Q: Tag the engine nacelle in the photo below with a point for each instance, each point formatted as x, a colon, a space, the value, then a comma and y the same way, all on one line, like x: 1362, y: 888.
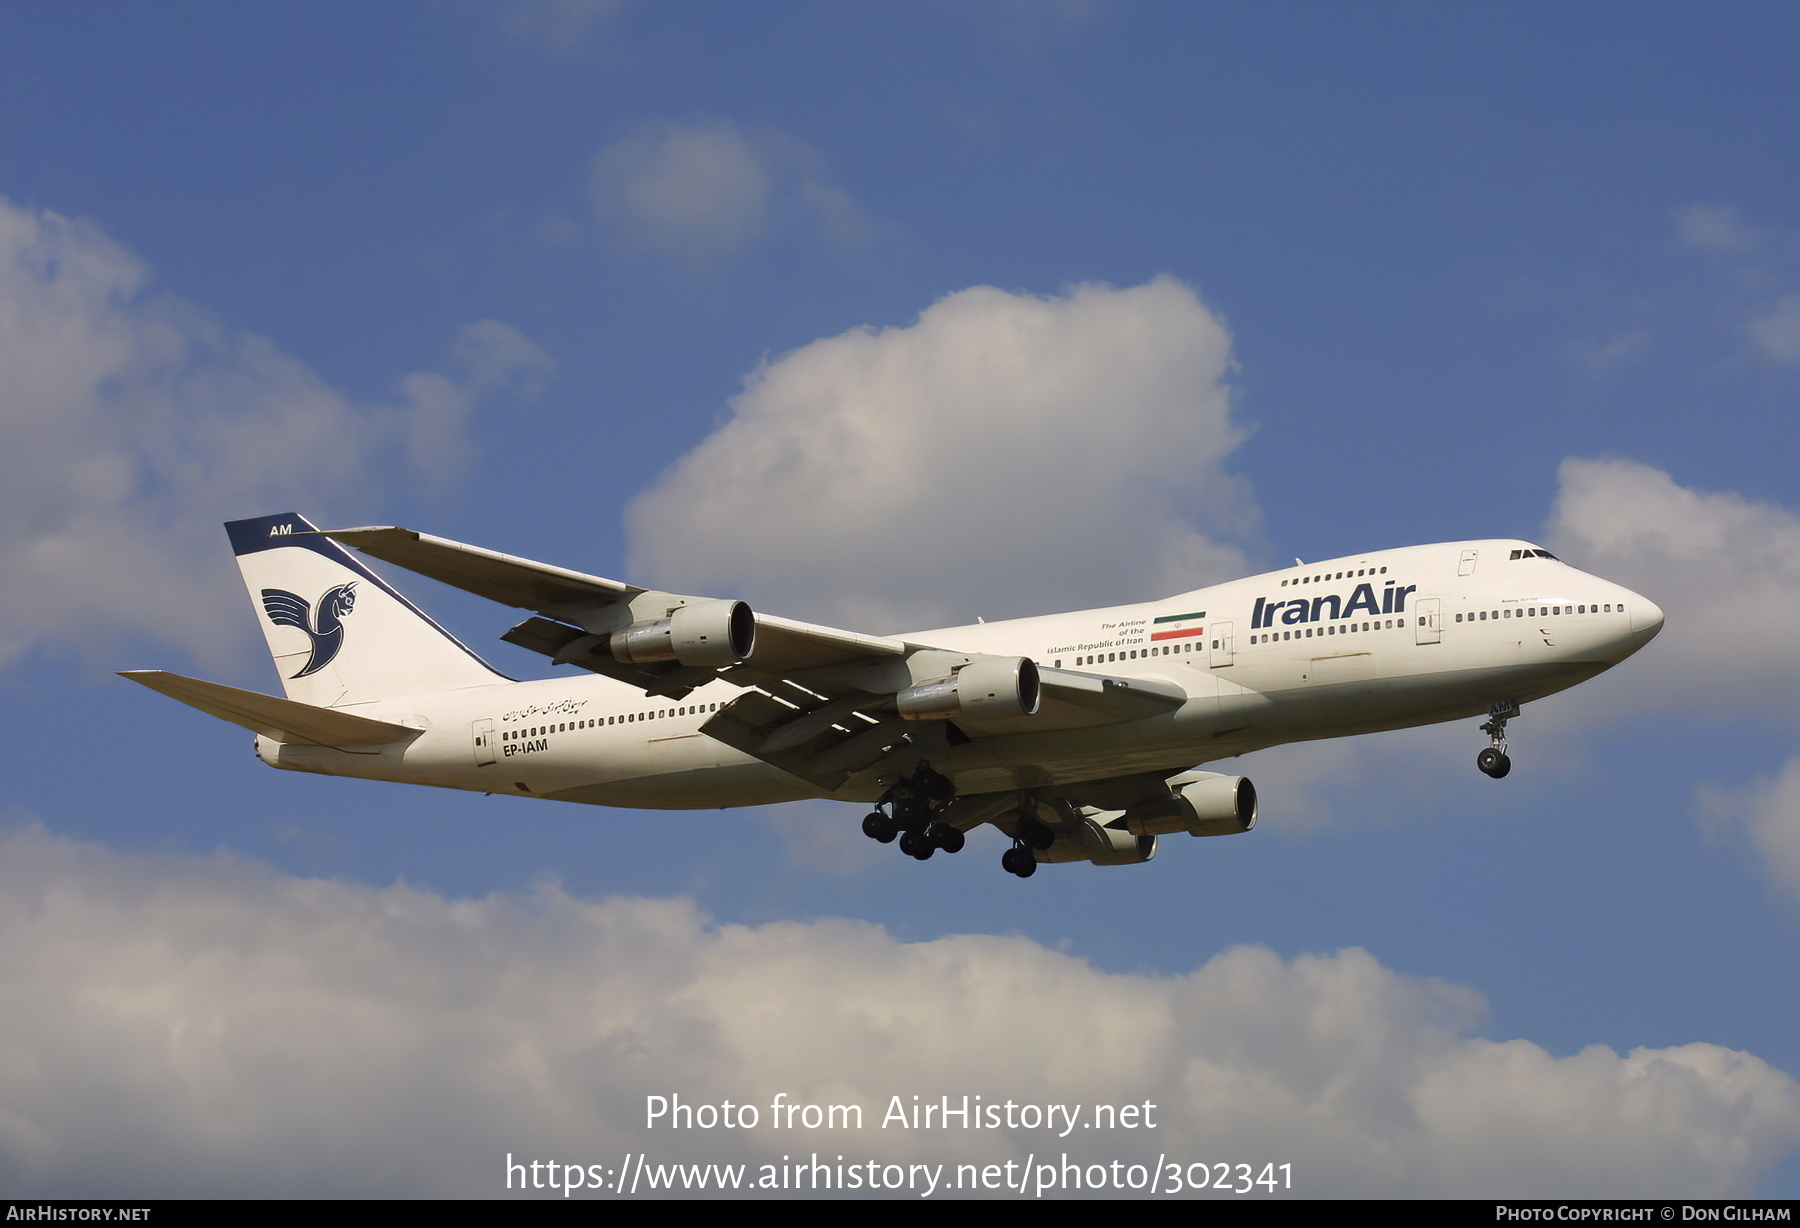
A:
x: 1104, y: 846
x: 1212, y: 805
x: 991, y: 688
x: 711, y: 634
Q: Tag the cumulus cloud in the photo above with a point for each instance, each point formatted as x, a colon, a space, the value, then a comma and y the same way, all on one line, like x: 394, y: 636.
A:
x: 132, y: 423
x: 1008, y: 454
x: 205, y: 1026
x: 1697, y: 553
x: 1767, y: 814
x: 705, y: 188
x: 1694, y: 553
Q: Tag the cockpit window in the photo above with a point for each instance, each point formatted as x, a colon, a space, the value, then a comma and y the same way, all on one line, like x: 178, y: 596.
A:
x: 1533, y: 554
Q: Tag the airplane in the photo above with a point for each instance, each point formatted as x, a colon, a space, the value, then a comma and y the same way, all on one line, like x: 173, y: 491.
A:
x: 1079, y: 736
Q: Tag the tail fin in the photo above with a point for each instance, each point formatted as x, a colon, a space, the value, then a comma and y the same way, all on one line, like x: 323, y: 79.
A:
x: 339, y: 634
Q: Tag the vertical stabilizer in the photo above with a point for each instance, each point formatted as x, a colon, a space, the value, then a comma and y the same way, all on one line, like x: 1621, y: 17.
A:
x: 339, y: 634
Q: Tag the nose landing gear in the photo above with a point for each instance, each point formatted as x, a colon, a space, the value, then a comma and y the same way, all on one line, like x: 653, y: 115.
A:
x: 1494, y: 760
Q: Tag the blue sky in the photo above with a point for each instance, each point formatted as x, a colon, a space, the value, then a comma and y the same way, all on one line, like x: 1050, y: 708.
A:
x: 543, y: 276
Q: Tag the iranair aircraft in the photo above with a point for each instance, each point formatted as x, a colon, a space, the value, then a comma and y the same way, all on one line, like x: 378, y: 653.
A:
x: 1078, y: 736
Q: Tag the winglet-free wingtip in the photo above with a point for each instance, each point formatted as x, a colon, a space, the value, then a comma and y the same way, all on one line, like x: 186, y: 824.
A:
x: 348, y: 535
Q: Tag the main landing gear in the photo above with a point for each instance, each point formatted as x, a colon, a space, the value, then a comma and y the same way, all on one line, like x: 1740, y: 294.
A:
x: 1494, y: 761
x: 1030, y: 834
x: 923, y: 813
x: 912, y: 806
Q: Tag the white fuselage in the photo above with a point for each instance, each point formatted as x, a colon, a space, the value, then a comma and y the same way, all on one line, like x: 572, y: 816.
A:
x: 1387, y: 640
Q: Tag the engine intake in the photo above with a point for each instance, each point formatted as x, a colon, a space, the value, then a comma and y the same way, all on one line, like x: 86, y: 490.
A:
x: 711, y: 634
x: 990, y: 688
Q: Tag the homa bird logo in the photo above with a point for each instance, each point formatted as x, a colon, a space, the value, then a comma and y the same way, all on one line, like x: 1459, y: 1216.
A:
x: 287, y: 609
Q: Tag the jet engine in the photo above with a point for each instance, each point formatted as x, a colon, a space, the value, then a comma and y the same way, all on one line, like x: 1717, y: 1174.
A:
x: 988, y: 688
x: 1208, y: 805
x: 710, y: 634
x: 1090, y: 840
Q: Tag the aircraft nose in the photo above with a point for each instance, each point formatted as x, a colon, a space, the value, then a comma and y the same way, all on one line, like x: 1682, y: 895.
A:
x: 1646, y: 618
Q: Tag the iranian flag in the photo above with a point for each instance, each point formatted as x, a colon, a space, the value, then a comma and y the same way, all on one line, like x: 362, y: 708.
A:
x: 1178, y: 626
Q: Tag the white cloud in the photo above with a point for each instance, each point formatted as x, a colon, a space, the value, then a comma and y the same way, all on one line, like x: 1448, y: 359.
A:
x: 1715, y: 228
x: 209, y: 1027
x: 702, y: 189
x: 1776, y: 331
x: 1698, y: 555
x: 132, y: 423
x: 1767, y: 813
x: 1763, y: 261
x: 1726, y: 572
x: 558, y: 25
x: 1008, y: 454
x: 1597, y: 358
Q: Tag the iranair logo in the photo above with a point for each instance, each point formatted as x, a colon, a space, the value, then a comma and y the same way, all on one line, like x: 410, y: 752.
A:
x: 325, y: 628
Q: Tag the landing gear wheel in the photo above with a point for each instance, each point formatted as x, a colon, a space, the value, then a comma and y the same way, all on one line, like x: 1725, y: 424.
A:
x: 908, y: 811
x: 1018, y: 860
x: 1034, y: 834
x: 917, y: 844
x: 1493, y: 762
x: 877, y: 826
x: 946, y: 837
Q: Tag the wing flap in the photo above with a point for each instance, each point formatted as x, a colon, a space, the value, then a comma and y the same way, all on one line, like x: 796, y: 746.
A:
x: 284, y: 720
x: 748, y: 722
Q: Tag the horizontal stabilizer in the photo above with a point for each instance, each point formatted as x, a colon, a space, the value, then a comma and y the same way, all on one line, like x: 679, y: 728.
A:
x: 284, y: 720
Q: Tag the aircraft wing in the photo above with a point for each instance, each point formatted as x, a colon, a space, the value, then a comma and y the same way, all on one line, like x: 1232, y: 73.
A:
x: 823, y: 738
x: 820, y: 702
x: 580, y: 610
x: 486, y: 573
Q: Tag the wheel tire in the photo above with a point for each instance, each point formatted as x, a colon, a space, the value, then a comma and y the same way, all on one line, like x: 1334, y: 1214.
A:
x: 915, y: 844
x: 1035, y: 835
x: 908, y: 811
x: 950, y: 839
x: 1493, y: 762
x: 1019, y: 861
x: 877, y: 826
